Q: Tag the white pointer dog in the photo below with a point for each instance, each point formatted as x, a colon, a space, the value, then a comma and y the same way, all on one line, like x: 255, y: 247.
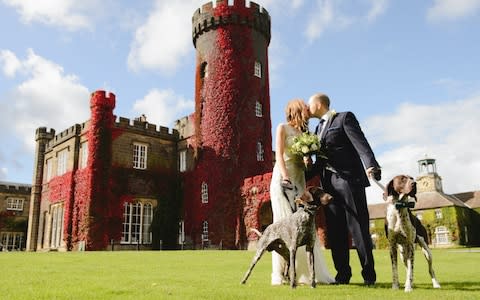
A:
x: 403, y: 229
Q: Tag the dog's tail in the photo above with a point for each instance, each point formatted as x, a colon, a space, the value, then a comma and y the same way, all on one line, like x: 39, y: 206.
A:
x: 256, y: 231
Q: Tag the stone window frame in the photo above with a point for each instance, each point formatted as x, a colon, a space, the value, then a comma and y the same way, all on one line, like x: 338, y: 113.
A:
x: 62, y: 161
x: 56, y: 225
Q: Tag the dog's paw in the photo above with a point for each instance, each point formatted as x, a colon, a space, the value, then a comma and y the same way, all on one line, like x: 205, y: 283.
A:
x: 436, y: 285
x: 408, y: 289
x: 395, y: 286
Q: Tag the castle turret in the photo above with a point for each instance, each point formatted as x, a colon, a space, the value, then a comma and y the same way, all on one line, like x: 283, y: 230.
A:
x: 93, y: 219
x: 232, y: 116
x: 42, y: 136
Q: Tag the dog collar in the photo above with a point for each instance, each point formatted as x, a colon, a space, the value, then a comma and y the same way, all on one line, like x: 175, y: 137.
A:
x: 399, y: 205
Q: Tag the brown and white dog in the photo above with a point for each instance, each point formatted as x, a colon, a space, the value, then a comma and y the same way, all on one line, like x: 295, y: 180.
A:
x: 291, y: 232
x: 403, y: 229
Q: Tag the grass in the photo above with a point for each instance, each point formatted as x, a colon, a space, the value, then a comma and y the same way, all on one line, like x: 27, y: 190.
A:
x: 215, y: 275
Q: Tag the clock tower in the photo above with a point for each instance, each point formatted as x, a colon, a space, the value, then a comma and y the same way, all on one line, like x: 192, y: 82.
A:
x: 428, y: 180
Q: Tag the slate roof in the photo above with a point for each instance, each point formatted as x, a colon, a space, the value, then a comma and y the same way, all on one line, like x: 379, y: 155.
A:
x: 472, y: 199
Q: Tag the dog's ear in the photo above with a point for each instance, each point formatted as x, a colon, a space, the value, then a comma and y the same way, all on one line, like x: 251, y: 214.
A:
x: 390, y: 189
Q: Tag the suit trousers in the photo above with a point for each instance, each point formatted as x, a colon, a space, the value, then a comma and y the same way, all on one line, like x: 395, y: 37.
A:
x: 348, y: 213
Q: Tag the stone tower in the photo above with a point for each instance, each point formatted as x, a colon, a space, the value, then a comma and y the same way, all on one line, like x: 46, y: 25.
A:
x: 232, y: 137
x: 428, y: 180
x: 42, y: 136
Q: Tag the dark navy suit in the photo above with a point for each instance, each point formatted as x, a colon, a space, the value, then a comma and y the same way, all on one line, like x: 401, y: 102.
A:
x: 343, y: 176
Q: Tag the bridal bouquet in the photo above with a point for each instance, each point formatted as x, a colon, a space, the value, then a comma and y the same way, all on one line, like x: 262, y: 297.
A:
x: 306, y: 144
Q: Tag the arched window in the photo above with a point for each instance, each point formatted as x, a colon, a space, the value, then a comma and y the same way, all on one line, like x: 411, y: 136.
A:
x: 204, y: 192
x: 260, y: 152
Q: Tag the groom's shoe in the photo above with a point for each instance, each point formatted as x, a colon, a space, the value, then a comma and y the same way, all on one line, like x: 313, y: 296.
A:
x: 369, y: 282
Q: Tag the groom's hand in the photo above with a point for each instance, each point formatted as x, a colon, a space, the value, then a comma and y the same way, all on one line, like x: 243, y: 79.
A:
x: 307, y: 160
x: 375, y: 173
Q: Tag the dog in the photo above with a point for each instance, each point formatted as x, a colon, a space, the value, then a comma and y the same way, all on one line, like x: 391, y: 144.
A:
x: 296, y: 230
x: 403, y: 229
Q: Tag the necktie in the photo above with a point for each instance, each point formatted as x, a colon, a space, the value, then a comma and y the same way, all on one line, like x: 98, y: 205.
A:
x: 320, y: 127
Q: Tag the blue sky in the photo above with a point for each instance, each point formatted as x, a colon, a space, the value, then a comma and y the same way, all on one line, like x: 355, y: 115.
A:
x: 409, y: 70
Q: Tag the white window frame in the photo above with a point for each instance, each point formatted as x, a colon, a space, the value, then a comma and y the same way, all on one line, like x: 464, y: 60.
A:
x: 181, y: 232
x: 12, y: 241
x: 137, y: 222
x: 49, y: 170
x: 83, y: 155
x: 257, y: 69
x: 56, y: 229
x: 62, y: 160
x: 442, y: 236
x: 438, y: 214
x: 140, y: 154
x: 260, y: 152
x: 204, y: 192
x: 15, y: 203
x: 205, y: 231
x: 182, y: 160
x: 258, y: 109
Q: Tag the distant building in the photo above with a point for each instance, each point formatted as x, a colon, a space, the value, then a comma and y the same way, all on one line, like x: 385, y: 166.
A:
x: 14, y: 205
x: 450, y: 220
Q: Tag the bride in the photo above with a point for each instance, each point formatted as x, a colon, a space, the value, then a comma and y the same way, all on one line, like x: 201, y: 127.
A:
x: 290, y: 167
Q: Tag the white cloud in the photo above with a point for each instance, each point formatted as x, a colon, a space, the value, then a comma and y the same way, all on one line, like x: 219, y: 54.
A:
x: 377, y: 9
x: 68, y: 14
x: 46, y: 97
x: 3, y: 173
x: 165, y: 39
x: 163, y: 107
x: 10, y: 63
x: 336, y: 15
x: 451, y: 10
x: 445, y: 132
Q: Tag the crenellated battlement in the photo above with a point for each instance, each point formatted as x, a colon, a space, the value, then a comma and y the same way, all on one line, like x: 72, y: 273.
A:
x: 102, y: 98
x: 43, y: 134
x: 209, y: 17
x: 15, y: 188
x: 146, y: 128
x: 65, y: 135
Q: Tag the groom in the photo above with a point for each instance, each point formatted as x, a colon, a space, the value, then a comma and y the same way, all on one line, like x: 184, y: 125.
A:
x: 344, y: 177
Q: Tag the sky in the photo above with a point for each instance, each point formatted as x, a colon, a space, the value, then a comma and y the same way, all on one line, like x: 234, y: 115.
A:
x: 409, y: 70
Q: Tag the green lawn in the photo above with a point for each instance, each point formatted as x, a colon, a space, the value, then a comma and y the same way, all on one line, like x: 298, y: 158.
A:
x: 214, y: 275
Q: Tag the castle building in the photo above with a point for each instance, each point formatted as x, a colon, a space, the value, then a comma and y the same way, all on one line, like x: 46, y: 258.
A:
x: 113, y: 183
x: 450, y: 220
x: 14, y: 204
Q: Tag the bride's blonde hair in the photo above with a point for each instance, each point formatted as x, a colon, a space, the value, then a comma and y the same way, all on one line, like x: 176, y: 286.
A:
x: 295, y: 114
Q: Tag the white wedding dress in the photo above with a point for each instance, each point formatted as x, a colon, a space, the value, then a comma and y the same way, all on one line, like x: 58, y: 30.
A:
x: 282, y: 208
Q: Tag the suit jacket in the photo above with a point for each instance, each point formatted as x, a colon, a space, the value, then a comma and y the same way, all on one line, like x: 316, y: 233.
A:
x: 347, y: 149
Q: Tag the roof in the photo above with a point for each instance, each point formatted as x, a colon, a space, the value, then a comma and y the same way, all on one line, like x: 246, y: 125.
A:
x: 428, y: 200
x: 472, y: 199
